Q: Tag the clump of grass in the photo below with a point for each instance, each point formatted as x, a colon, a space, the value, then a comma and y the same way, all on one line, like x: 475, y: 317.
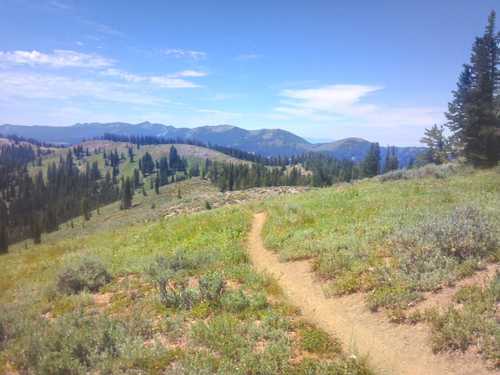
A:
x: 235, y: 301
x: 82, y: 274
x: 473, y: 323
x: 316, y: 341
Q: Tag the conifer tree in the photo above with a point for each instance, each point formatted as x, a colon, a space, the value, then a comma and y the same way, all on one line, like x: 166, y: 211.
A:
x: 473, y: 115
x: 4, y: 222
x: 85, y: 209
x: 371, y: 163
x: 437, y: 145
x: 127, y: 194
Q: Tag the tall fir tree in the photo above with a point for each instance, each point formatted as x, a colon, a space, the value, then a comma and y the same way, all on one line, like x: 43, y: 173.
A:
x: 371, y: 163
x: 473, y: 115
x: 127, y: 194
x: 4, y: 223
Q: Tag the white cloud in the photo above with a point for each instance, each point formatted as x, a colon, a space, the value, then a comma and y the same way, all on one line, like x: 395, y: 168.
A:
x: 172, y: 81
x: 347, y: 104
x: 191, y: 73
x: 35, y: 86
x: 185, y: 54
x: 56, y: 59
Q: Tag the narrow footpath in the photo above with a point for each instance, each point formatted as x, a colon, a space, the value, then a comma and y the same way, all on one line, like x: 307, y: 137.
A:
x: 391, y: 348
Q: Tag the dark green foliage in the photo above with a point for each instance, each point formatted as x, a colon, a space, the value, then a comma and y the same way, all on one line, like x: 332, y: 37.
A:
x: 147, y: 164
x: 127, y: 194
x: 36, y: 230
x: 4, y: 222
x: 212, y: 286
x: 371, y: 164
x: 85, y: 209
x: 391, y: 162
x: 437, y: 144
x: 473, y: 115
x: 87, y: 273
x: 157, y: 185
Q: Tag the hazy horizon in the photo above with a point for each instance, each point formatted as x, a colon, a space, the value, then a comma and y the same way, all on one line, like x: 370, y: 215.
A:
x: 321, y: 71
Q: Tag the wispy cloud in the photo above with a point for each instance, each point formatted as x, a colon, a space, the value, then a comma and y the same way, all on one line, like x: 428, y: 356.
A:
x: 185, y: 54
x: 61, y: 4
x: 191, y: 73
x: 22, y: 85
x: 173, y: 81
x: 348, y: 104
x: 56, y: 59
x: 248, y: 56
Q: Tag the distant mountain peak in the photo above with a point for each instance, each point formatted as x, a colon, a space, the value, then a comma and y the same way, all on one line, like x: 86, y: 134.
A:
x: 266, y: 142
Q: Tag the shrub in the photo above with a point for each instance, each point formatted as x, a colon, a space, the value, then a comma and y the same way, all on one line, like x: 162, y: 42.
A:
x: 235, y: 301
x: 392, y: 296
x: 212, y: 287
x: 73, y: 344
x: 178, y: 294
x: 443, y: 249
x: 87, y: 273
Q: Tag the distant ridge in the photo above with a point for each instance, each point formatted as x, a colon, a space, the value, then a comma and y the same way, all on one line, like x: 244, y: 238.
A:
x: 267, y: 142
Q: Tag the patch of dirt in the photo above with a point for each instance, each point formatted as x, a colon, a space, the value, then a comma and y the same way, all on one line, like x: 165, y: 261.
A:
x: 233, y: 198
x: 390, y: 348
x: 102, y: 300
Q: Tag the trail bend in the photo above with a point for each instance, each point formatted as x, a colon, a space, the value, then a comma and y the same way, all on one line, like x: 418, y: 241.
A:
x: 391, y: 348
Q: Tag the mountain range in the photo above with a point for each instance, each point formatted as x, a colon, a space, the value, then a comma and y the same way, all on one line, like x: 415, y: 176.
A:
x: 267, y: 142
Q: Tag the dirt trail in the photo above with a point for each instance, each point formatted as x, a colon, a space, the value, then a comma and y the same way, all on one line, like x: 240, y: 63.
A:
x: 390, y: 348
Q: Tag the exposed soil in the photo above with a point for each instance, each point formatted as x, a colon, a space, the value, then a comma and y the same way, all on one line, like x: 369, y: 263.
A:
x: 390, y: 348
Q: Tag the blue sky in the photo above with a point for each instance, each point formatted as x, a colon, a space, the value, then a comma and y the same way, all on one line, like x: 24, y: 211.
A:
x: 381, y: 70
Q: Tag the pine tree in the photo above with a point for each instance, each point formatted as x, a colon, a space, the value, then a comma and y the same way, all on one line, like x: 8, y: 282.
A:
x: 157, y: 185
x: 36, y: 230
x: 85, y: 209
x: 473, y: 115
x: 437, y: 145
x: 127, y: 194
x: 4, y: 222
x: 371, y: 163
x: 391, y: 162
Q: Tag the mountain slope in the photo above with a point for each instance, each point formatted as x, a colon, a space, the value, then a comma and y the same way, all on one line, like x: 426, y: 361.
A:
x: 267, y: 142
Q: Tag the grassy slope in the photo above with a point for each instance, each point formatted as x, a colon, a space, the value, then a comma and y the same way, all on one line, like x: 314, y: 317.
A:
x: 349, y: 232
x: 187, y: 151
x: 262, y: 334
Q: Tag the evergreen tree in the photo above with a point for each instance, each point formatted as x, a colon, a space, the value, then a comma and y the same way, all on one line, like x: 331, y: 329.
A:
x: 127, y: 194
x: 157, y: 185
x: 36, y: 230
x: 371, y: 163
x: 437, y: 144
x: 85, y: 209
x: 4, y: 222
x: 473, y: 115
x: 391, y: 162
